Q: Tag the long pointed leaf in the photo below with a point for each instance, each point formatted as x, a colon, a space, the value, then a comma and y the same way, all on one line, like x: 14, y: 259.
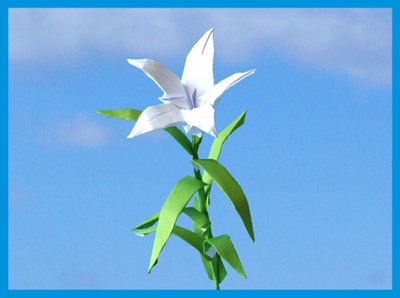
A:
x: 188, y: 236
x: 144, y: 232
x: 206, y: 261
x: 224, y: 247
x: 132, y: 114
x: 173, y: 206
x: 221, y: 269
x: 195, y: 241
x: 231, y: 188
x: 126, y: 114
x: 148, y: 222
x: 199, y: 219
x: 208, y: 267
x: 181, y: 138
x: 216, y: 147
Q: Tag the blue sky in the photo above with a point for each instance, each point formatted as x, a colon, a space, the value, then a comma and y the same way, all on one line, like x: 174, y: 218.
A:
x: 314, y: 156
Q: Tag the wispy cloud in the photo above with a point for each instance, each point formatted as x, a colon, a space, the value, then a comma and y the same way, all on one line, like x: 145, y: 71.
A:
x: 80, y: 132
x: 356, y: 42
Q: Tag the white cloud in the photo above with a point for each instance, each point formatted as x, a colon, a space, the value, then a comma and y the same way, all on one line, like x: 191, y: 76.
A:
x: 357, y: 42
x: 77, y: 132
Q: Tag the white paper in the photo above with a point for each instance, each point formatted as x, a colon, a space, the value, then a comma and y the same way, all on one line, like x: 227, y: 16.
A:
x: 191, y: 101
x: 211, y: 252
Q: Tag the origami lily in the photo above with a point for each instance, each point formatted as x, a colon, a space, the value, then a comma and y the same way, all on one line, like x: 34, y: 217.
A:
x: 190, y: 101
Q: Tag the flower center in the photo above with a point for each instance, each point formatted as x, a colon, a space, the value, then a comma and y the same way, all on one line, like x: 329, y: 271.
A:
x: 191, y: 97
x: 194, y: 98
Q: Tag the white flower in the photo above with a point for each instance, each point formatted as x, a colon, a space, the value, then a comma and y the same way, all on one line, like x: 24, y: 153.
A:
x: 189, y: 101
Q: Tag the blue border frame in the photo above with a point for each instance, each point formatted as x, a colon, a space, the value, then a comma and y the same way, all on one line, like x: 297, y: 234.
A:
x: 5, y: 4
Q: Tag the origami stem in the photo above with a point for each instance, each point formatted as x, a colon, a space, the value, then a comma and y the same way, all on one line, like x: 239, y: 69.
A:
x: 203, y: 209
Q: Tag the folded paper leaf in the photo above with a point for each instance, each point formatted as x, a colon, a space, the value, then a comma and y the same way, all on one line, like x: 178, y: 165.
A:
x: 206, y: 261
x: 145, y: 232
x: 208, y: 264
x: 132, y: 114
x: 199, y: 219
x: 216, y: 147
x: 181, y: 138
x: 173, y: 206
x: 148, y: 222
x: 224, y: 247
x: 231, y: 188
x: 188, y: 236
x: 126, y: 114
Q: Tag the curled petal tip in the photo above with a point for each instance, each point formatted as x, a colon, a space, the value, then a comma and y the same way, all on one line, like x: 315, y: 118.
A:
x: 130, y: 136
x: 134, y: 133
x: 214, y: 133
x: 137, y: 62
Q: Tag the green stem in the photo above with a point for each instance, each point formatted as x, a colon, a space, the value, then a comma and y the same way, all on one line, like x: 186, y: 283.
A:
x: 203, y: 209
x: 214, y: 269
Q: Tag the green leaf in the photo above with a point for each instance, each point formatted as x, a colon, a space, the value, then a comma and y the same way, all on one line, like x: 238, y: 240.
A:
x: 196, y: 242
x: 216, y: 147
x: 188, y: 236
x: 196, y: 204
x: 181, y: 138
x: 208, y: 266
x: 231, y: 188
x: 221, y: 269
x: 173, y: 206
x: 206, y: 261
x: 224, y: 247
x: 132, y: 114
x: 199, y: 219
x: 145, y: 232
x: 151, y: 220
x: 126, y: 114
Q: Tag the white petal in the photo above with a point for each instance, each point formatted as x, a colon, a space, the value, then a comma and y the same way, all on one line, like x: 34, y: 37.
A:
x: 179, y: 102
x: 201, y: 118
x: 186, y: 128
x: 189, y: 129
x: 198, y: 71
x: 163, y: 77
x: 212, y: 95
x: 195, y: 131
x: 157, y: 117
